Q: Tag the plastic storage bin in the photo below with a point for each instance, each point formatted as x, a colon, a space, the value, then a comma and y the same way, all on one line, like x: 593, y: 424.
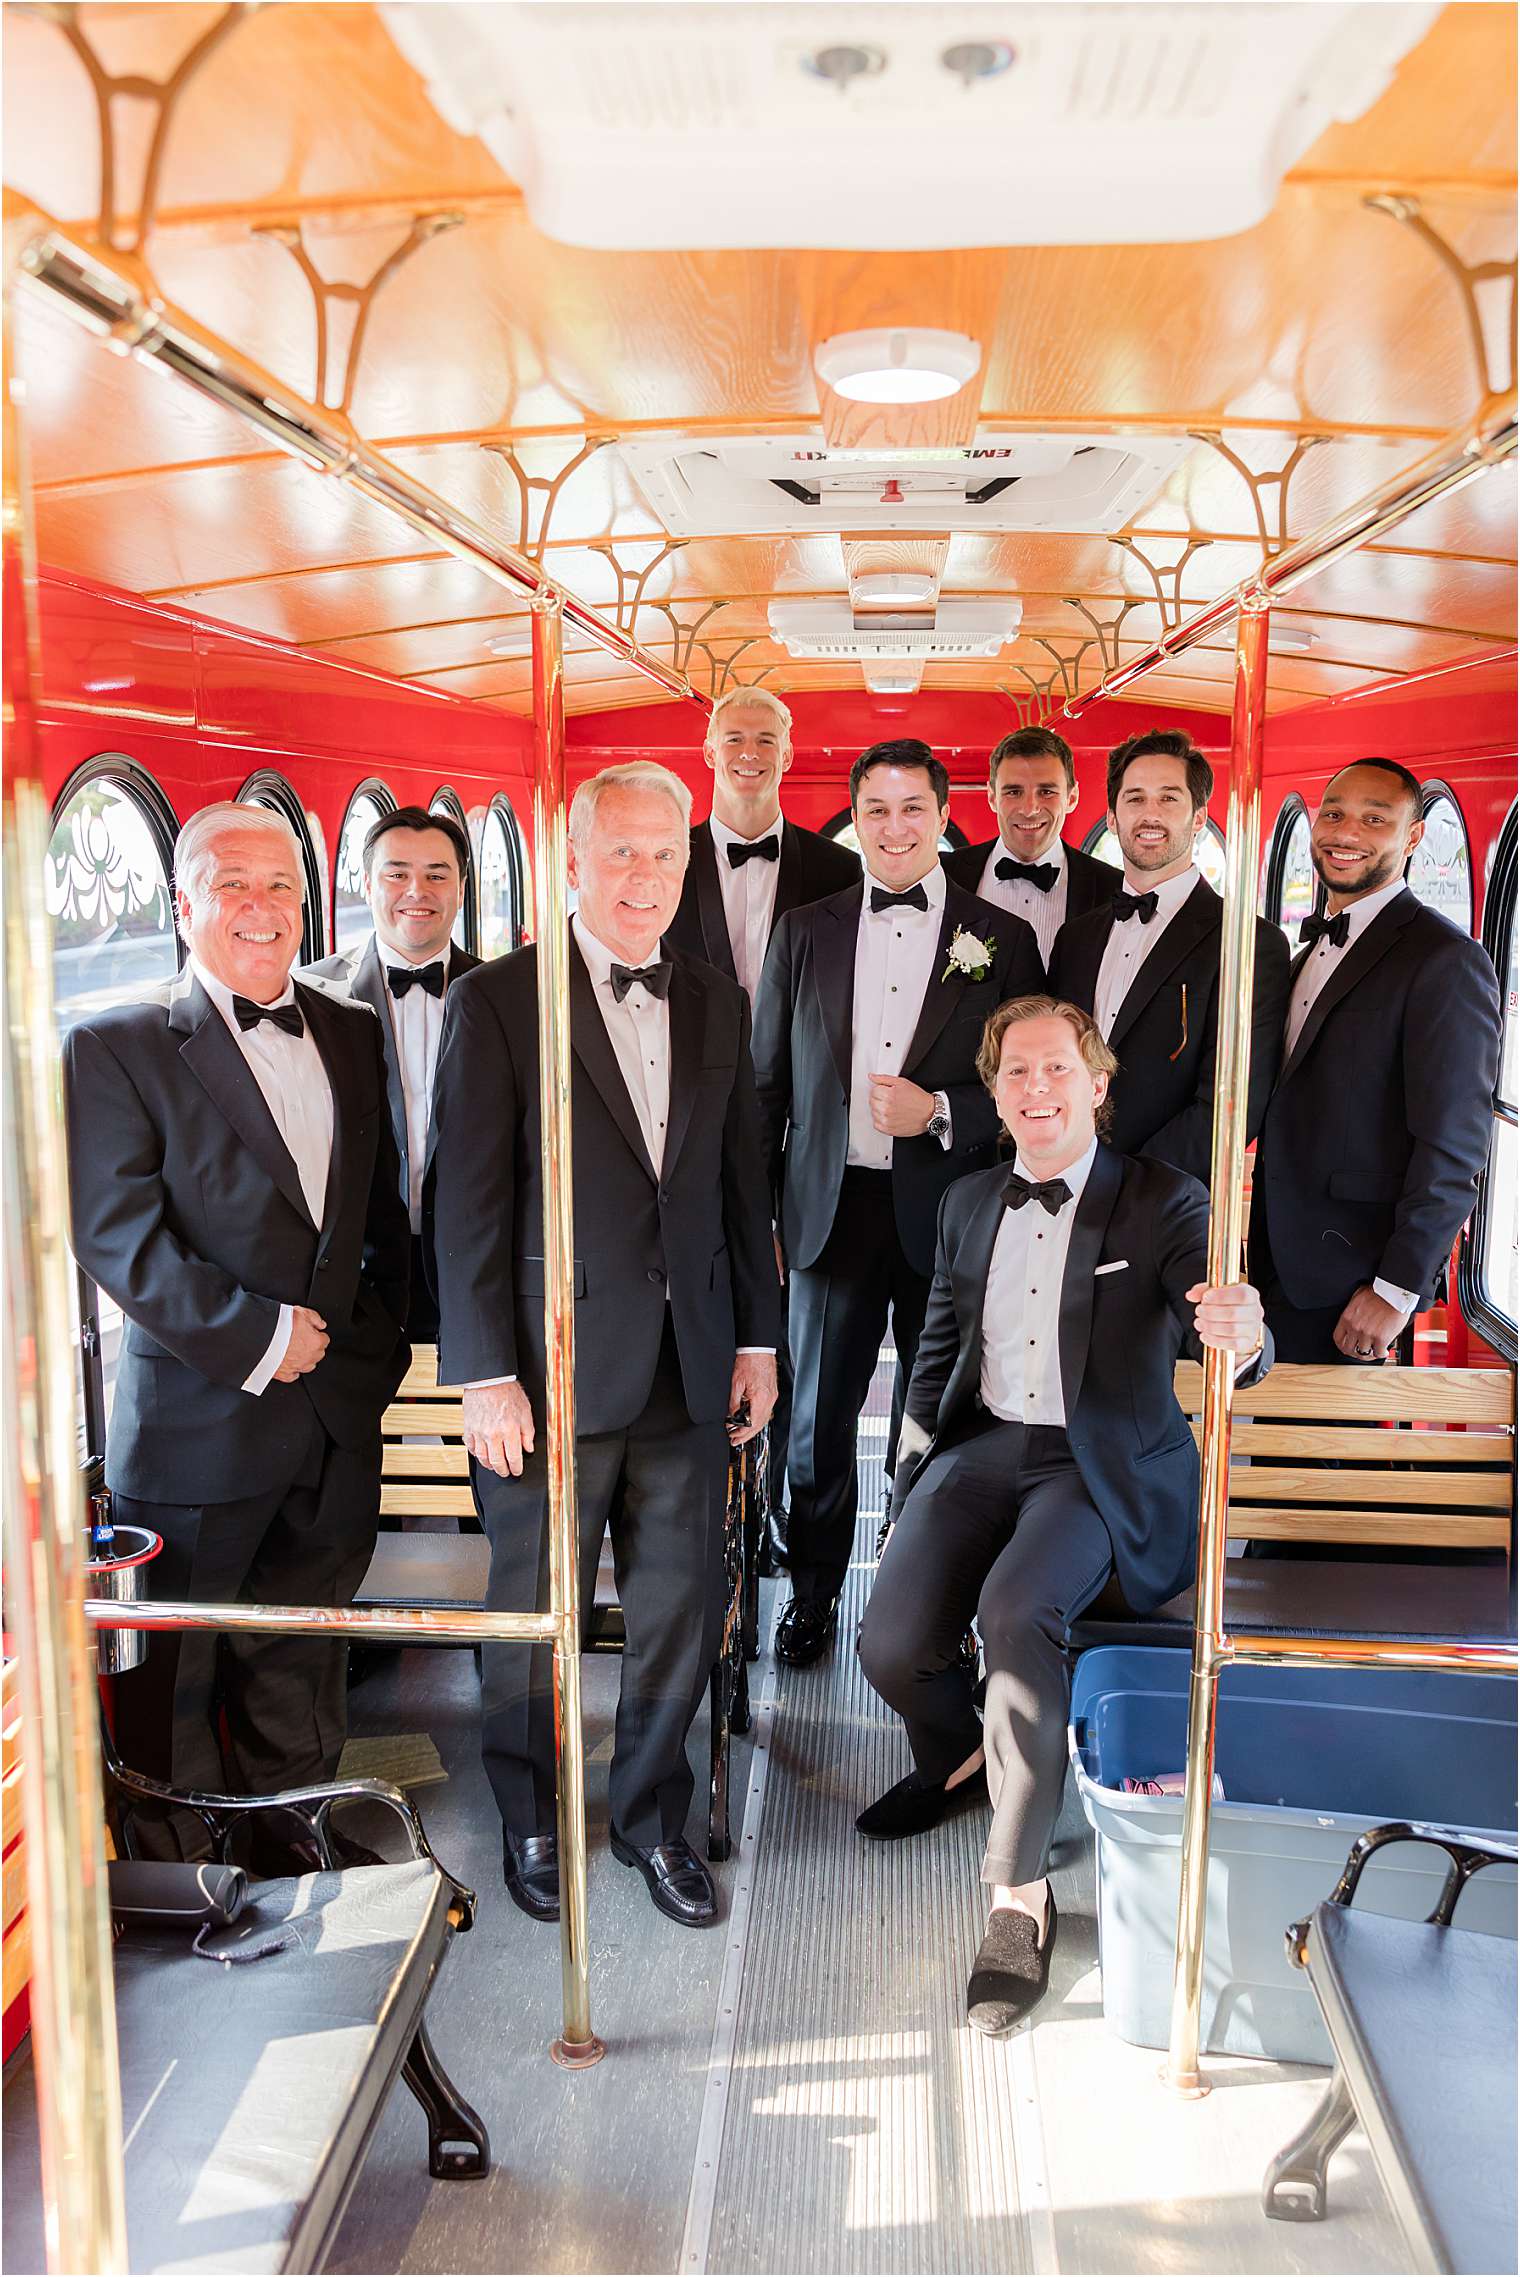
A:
x: 1309, y: 1759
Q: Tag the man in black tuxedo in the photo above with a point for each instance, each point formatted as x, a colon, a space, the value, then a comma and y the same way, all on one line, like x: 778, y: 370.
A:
x: 1374, y: 1140
x: 235, y: 1189
x: 749, y: 866
x: 675, y: 1318
x: 866, y: 1030
x: 415, y: 865
x: 1029, y: 869
x: 1146, y: 965
x: 1043, y: 1450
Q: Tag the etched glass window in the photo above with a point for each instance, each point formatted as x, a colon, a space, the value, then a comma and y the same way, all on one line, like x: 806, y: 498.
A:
x: 1440, y: 868
x: 1294, y: 887
x: 108, y: 894
x: 503, y: 907
x: 351, y: 917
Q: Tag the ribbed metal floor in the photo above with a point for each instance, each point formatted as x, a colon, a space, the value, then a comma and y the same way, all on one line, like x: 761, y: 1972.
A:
x: 866, y: 2128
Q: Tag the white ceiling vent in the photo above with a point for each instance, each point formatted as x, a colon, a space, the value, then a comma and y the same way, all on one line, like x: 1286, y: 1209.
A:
x: 893, y: 679
x: 956, y: 629
x: 721, y: 486
x: 917, y: 126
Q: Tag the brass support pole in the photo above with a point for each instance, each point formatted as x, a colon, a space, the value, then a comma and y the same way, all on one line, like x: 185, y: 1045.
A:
x: 577, y: 2044
x: 72, y: 2004
x: 1226, y: 1229
x: 379, y: 1624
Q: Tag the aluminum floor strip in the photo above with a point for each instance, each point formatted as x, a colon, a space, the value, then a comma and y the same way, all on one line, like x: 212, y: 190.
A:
x: 867, y: 2129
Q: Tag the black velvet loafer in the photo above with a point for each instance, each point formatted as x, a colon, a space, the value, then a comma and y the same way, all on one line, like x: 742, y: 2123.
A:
x: 915, y: 1804
x: 1011, y: 1973
x: 806, y: 1630
x: 679, y: 1883
x: 530, y: 1869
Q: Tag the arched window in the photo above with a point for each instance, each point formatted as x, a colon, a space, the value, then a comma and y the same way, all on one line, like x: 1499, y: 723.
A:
x: 466, y: 924
x: 351, y: 917
x: 841, y: 827
x: 268, y: 789
x: 1440, y: 868
x: 1209, y: 854
x: 1293, y: 891
x: 109, y: 889
x: 108, y: 885
x: 503, y: 880
x: 1488, y: 1276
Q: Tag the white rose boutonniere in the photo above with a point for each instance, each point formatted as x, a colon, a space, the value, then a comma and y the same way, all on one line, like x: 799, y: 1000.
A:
x: 970, y: 957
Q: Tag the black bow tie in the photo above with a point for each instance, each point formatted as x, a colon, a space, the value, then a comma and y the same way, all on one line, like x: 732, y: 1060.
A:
x: 914, y: 898
x: 1052, y: 1193
x: 1041, y: 875
x: 1141, y: 905
x: 1335, y: 930
x: 286, y: 1016
x: 399, y: 978
x: 757, y: 850
x: 656, y: 978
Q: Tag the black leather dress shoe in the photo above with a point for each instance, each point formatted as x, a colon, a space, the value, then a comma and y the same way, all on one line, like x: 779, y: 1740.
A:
x: 915, y: 1804
x: 678, y: 1881
x: 1011, y: 1972
x: 806, y: 1630
x: 530, y: 1869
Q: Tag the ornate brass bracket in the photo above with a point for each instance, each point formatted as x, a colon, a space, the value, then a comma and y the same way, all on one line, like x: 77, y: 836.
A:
x: 1068, y: 666
x: 1273, y: 536
x: 1493, y: 346
x: 1042, y: 693
x: 110, y: 87
x: 1106, y: 630
x: 532, y: 541
x: 632, y: 582
x: 331, y: 303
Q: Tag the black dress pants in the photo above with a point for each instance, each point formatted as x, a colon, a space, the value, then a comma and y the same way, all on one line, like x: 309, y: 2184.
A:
x: 661, y: 1486
x: 1000, y: 1527
x: 307, y: 1541
x: 838, y: 1310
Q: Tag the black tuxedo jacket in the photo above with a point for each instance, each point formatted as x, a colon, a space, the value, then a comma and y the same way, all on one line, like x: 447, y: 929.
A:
x: 802, y: 1065
x: 1368, y: 1162
x: 701, y: 1229
x: 188, y: 1210
x: 807, y: 867
x: 1090, y: 884
x: 1167, y: 1030
x: 356, y: 973
x: 1120, y: 1332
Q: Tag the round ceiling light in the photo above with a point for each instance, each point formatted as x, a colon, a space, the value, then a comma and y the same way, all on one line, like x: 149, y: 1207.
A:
x: 906, y: 366
x: 895, y: 589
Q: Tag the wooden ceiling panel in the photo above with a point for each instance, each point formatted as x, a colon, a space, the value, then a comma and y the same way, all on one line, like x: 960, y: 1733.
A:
x: 1439, y: 115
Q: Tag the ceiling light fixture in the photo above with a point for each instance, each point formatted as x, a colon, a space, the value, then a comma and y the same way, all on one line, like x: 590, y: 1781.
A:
x: 1292, y: 637
x: 897, y: 366
x: 510, y: 644
x: 894, y: 589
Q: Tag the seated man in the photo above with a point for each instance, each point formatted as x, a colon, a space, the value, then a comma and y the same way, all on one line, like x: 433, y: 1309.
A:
x: 1051, y: 1452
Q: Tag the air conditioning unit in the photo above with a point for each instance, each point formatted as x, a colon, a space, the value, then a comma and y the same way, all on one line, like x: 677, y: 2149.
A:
x: 893, y: 679
x: 914, y: 126
x: 956, y: 629
x: 801, y: 485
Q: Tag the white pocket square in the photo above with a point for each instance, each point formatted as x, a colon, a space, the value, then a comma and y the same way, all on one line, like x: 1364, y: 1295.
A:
x: 1119, y: 1265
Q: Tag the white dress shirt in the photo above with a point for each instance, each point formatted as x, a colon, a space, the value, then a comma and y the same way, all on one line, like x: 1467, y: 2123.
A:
x: 290, y: 1073
x: 1131, y: 943
x: 1021, y: 1354
x: 1313, y: 974
x: 1046, y: 912
x: 417, y: 1025
x: 749, y: 900
x: 896, y: 951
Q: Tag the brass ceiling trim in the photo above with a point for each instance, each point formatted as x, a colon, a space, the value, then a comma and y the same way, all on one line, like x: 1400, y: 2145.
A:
x: 1272, y: 541
x: 1493, y: 352
x: 355, y: 301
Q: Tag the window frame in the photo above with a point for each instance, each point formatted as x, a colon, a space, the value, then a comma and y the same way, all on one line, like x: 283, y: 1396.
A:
x: 446, y: 800
x: 517, y: 866
x: 1431, y: 795
x: 372, y: 786
x: 1499, y: 920
x: 1293, y: 810
x: 268, y: 788
x: 133, y: 779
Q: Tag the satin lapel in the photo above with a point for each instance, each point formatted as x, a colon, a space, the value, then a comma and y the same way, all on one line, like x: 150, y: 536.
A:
x: 788, y: 874
x: 460, y: 962
x: 941, y: 996
x: 369, y: 987
x: 593, y: 1048
x: 1198, y: 916
x: 332, y: 1037
x: 710, y: 911
x: 1364, y: 952
x: 686, y: 1008
x: 213, y: 1058
x: 968, y: 1276
x: 836, y: 931
x: 1094, y: 1209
